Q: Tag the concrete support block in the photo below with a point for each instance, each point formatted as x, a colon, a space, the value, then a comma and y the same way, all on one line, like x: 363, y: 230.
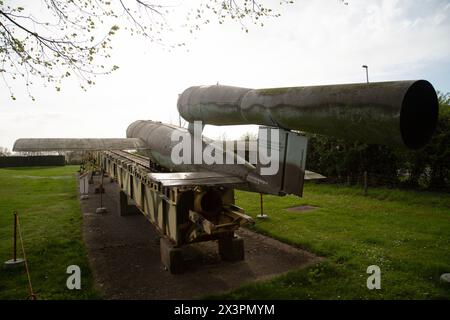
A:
x: 101, y: 210
x: 171, y: 258
x: 14, y: 264
x: 123, y: 203
x: 99, y: 189
x: 231, y: 249
x: 91, y: 177
x: 125, y: 208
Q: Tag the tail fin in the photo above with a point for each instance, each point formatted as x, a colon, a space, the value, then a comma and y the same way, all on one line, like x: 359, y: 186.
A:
x: 282, y: 159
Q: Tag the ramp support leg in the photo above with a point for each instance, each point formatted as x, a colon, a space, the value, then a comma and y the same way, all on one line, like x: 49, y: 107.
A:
x: 171, y: 257
x: 125, y: 208
x: 231, y: 248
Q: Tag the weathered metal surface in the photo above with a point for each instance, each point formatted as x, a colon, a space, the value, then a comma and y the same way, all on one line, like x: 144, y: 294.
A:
x: 169, y: 207
x: 291, y: 150
x: 158, y: 138
x: 247, y: 146
x: 61, y: 144
x: 400, y: 113
x: 310, y: 175
x: 294, y: 164
x: 223, y: 103
x: 195, y: 179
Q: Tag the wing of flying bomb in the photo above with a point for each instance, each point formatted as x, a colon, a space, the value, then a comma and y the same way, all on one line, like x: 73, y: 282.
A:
x: 208, y: 178
x: 202, y: 178
x: 310, y: 175
x: 62, y: 144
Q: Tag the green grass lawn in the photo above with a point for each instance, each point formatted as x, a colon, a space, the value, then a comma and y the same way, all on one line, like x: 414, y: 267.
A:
x: 405, y: 233
x: 49, y: 211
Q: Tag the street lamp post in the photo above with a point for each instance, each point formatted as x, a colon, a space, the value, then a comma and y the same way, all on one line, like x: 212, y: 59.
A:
x: 367, y: 72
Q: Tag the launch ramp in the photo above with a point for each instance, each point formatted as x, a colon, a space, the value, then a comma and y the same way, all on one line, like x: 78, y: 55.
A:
x: 184, y: 207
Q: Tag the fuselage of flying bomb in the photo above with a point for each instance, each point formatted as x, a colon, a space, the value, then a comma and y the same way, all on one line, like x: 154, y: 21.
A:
x: 164, y: 141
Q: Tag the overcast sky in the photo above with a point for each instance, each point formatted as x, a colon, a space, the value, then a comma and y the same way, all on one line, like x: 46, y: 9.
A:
x: 313, y: 42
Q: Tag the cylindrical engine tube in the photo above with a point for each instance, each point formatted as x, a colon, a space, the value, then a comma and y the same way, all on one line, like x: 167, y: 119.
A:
x: 399, y: 113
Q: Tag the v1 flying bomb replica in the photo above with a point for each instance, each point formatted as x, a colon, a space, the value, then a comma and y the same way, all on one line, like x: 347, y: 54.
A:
x: 190, y: 200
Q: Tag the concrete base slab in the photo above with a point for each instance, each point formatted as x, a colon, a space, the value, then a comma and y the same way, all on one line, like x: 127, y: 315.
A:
x: 13, y: 264
x: 101, y: 210
x: 445, y: 278
x: 262, y: 216
x: 302, y: 208
x: 84, y: 197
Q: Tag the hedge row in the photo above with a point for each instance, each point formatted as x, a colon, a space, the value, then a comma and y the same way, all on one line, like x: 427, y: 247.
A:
x: 429, y: 167
x: 31, y: 161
